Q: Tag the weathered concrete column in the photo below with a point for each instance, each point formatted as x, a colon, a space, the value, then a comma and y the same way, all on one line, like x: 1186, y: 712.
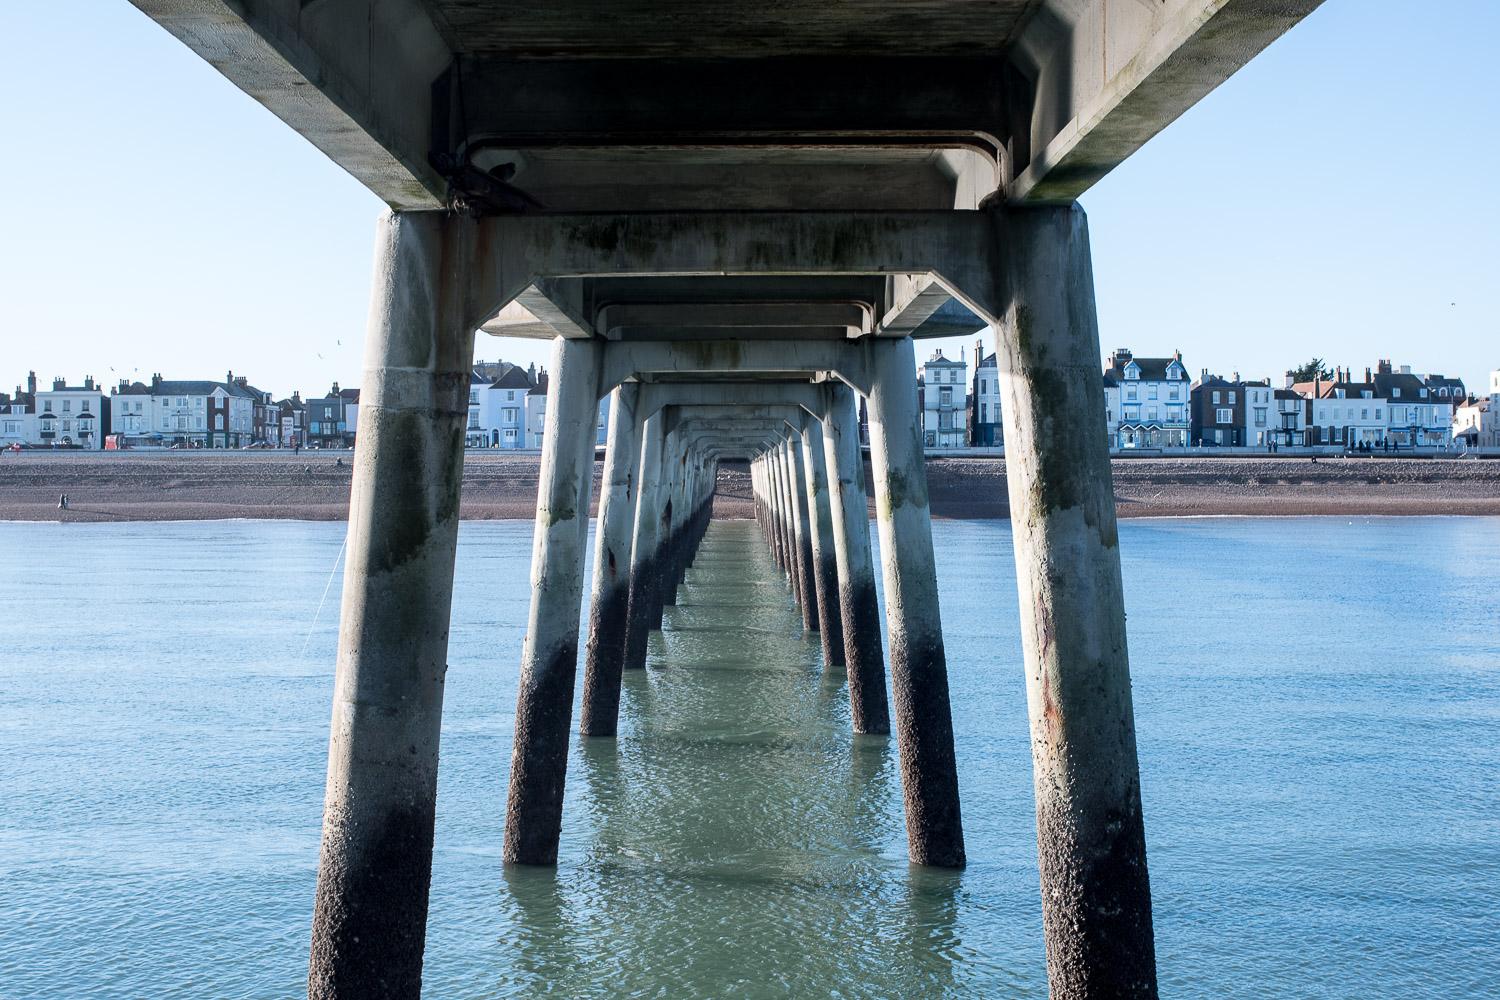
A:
x: 919, y: 668
x: 864, y: 660
x: 375, y: 865
x: 609, y: 604
x: 1091, y: 842
x: 665, y: 590
x: 820, y: 532
x: 643, y: 571
x: 788, y: 522
x: 801, y: 535
x: 549, y: 658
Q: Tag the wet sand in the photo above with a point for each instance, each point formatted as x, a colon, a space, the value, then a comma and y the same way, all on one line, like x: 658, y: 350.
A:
x: 159, y: 486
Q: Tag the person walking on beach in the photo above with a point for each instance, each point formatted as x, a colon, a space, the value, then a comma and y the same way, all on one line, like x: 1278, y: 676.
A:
x: 62, y: 502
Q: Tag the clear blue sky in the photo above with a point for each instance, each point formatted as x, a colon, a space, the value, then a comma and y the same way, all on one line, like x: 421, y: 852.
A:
x: 1333, y: 198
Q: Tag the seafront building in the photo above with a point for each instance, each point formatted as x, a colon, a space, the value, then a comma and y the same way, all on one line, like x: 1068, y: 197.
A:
x: 986, y: 428
x: 1153, y: 400
x: 72, y: 415
x: 942, y: 385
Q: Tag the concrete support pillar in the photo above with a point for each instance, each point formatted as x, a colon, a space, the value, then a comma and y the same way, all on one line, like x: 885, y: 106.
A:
x: 677, y: 465
x: 666, y: 528
x: 643, y: 571
x: 788, y: 522
x: 549, y: 658
x: 820, y: 530
x: 609, y: 604
x: 919, y: 669
x: 864, y: 660
x: 1096, y: 897
x: 807, y: 597
x: 375, y: 864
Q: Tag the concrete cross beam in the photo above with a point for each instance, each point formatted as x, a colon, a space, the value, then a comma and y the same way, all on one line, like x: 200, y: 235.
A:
x: 956, y: 249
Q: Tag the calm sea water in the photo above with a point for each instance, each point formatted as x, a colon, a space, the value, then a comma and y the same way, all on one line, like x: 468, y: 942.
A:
x: 1318, y: 706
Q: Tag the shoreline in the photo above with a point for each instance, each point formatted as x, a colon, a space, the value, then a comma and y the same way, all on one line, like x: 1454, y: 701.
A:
x: 156, y: 486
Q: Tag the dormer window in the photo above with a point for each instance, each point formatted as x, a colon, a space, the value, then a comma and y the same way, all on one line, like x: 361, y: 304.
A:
x: 1366, y: 394
x: 1424, y: 393
x: 1396, y: 392
x: 1132, y: 371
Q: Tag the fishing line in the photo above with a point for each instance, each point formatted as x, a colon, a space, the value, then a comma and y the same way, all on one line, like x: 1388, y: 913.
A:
x: 326, y: 587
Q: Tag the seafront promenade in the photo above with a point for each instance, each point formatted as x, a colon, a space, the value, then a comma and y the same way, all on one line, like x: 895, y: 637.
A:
x: 314, y: 485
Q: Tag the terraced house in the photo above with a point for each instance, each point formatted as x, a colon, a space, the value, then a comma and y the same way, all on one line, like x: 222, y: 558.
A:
x: 1153, y: 400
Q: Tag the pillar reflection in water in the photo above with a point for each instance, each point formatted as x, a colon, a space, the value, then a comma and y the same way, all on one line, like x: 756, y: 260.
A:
x: 735, y: 837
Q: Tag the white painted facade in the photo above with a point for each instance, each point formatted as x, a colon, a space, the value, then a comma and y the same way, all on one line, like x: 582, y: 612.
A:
x: 1154, y: 398
x: 944, y: 387
x: 17, y: 425
x: 71, y: 415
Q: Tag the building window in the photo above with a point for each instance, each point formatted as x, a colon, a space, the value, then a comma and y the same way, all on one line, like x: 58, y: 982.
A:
x: 1260, y: 416
x: 1216, y: 397
x: 1225, y: 416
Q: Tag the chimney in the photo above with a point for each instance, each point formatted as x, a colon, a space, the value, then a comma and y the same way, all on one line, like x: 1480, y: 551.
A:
x: 1406, y: 369
x: 88, y: 382
x: 296, y: 397
x: 1368, y: 377
x: 335, y: 390
x: 978, y: 354
x: 229, y: 376
x: 1176, y: 355
x: 1290, y: 380
x: 59, y: 383
x: 155, y: 381
x: 1383, y: 366
x: 1236, y: 376
x: 31, y: 382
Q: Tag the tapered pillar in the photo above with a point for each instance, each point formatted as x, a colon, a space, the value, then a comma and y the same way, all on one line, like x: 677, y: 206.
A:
x: 820, y: 532
x: 1091, y: 843
x: 609, y: 604
x: 802, y: 534
x: 859, y: 609
x: 643, y: 571
x: 549, y: 657
x: 375, y: 864
x: 919, y: 669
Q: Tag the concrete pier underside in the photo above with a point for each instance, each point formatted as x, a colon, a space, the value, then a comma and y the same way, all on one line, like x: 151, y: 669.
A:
x: 734, y: 219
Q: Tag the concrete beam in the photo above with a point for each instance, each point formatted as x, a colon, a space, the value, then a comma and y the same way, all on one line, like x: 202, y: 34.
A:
x: 729, y: 401
x: 956, y: 248
x: 855, y: 317
x: 352, y: 76
x: 1107, y: 77
x: 849, y: 360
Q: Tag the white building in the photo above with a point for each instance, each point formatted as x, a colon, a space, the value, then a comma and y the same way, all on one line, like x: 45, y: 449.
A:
x: 75, y: 416
x: 186, y: 413
x: 18, y: 415
x: 942, y: 385
x: 1153, y: 400
x: 1476, y: 422
x: 497, y: 406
